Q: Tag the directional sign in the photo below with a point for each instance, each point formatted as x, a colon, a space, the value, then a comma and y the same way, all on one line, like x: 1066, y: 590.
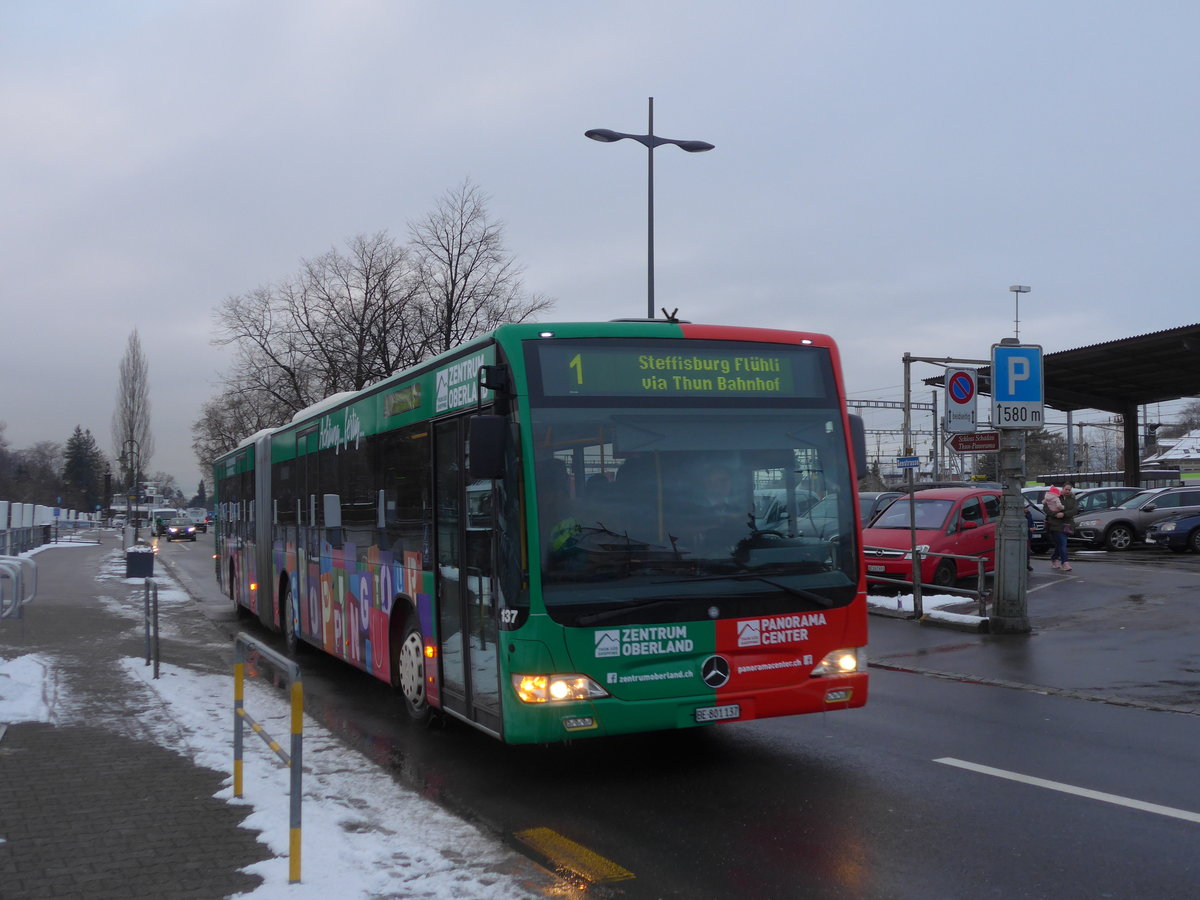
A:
x: 1018, y: 393
x: 979, y: 442
x: 961, y: 401
x: 907, y: 462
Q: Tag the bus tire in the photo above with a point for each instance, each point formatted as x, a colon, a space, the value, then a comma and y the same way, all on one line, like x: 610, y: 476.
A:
x: 291, y: 623
x: 238, y: 610
x: 408, y: 670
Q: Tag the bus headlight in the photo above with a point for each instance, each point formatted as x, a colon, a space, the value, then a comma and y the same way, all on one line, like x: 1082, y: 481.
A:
x: 842, y: 662
x: 545, y: 688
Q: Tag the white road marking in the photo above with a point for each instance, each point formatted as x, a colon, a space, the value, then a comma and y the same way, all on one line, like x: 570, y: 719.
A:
x: 1071, y: 789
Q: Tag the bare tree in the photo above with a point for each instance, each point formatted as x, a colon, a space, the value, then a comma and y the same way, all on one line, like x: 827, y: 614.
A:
x: 467, y: 281
x: 131, y: 417
x: 349, y: 319
x: 344, y: 323
x: 229, y: 418
x: 37, y: 473
x: 1187, y: 419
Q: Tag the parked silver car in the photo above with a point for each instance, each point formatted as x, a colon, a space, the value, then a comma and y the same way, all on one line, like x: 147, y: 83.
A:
x: 1098, y: 498
x: 1124, y: 525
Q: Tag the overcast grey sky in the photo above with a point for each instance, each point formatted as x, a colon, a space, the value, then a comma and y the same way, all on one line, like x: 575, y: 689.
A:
x: 883, y: 171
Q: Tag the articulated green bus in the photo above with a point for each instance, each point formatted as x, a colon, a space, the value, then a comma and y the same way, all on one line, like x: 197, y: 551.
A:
x: 570, y: 530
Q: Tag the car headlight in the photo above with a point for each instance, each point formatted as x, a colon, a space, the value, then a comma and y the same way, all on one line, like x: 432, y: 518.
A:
x: 547, y: 688
x: 924, y: 548
x: 1167, y: 526
x: 1089, y: 523
x: 842, y: 662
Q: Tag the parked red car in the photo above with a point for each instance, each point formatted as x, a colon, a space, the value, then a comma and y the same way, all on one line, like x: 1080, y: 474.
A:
x: 961, y: 521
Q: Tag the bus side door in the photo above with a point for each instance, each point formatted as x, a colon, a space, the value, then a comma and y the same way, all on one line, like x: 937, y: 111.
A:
x: 466, y: 611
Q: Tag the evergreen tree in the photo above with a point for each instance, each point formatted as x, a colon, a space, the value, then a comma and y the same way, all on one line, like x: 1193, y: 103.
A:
x: 83, y: 472
x: 200, y: 501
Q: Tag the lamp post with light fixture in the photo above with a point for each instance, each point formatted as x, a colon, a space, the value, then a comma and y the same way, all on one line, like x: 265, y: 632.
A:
x: 649, y: 141
x: 1017, y: 291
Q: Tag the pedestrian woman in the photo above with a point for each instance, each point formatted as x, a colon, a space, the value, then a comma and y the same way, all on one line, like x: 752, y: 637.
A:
x: 1060, y: 507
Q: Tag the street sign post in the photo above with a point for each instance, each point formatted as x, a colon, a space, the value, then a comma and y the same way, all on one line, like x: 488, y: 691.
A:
x: 962, y: 401
x: 1018, y: 391
x: 1018, y: 403
x: 979, y: 442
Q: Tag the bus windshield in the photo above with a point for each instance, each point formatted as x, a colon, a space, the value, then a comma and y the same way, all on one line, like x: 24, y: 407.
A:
x: 683, y: 514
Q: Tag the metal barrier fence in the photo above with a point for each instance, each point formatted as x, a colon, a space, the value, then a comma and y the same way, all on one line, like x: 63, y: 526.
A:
x: 242, y: 643
x: 980, y: 593
x: 151, y: 620
x: 22, y: 540
x: 18, y: 585
x: 76, y: 531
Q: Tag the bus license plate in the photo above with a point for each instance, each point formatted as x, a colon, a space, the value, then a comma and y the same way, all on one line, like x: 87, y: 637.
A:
x: 717, y: 713
x: 876, y: 568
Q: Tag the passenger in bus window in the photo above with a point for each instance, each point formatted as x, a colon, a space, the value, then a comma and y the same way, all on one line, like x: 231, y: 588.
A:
x: 719, y: 514
x: 560, y: 527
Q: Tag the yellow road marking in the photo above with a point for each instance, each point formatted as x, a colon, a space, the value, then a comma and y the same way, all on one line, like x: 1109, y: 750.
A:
x: 574, y: 857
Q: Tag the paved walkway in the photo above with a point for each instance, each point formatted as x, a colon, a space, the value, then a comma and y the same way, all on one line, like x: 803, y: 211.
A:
x: 90, y: 807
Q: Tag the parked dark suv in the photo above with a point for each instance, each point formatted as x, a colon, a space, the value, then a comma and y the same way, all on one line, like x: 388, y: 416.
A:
x: 1124, y: 525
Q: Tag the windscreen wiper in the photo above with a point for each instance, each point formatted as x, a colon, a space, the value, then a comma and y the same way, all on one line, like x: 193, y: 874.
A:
x: 812, y: 596
x: 614, y: 611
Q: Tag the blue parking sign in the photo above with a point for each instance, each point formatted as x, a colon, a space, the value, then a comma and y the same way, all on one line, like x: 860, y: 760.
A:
x: 1018, y: 392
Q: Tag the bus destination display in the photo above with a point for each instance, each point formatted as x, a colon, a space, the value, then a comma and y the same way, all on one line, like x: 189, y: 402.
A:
x: 677, y: 369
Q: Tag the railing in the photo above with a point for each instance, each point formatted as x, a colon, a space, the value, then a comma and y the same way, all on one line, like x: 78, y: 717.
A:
x: 22, y: 540
x: 18, y: 585
x: 980, y: 592
x: 242, y: 643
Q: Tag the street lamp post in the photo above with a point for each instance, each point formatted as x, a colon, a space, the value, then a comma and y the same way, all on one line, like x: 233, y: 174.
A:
x: 649, y: 141
x: 1017, y: 291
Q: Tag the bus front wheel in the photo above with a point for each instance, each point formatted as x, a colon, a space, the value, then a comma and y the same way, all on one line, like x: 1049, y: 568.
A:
x: 408, y: 672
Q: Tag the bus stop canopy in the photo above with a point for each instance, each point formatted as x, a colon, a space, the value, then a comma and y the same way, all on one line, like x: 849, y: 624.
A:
x: 1119, y: 376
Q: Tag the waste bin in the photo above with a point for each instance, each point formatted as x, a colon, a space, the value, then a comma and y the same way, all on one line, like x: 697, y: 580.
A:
x: 139, y: 563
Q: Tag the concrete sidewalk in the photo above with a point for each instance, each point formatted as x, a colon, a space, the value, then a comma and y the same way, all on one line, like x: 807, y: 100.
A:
x: 90, y: 806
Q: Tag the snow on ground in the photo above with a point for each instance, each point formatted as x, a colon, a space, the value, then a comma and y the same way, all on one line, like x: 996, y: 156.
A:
x: 363, y: 835
x: 933, y: 606
x: 29, y: 690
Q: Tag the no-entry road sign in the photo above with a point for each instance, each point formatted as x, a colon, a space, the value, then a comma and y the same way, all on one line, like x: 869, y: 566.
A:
x: 979, y: 442
x: 961, y: 401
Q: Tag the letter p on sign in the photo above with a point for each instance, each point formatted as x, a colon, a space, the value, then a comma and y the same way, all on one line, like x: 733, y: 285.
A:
x: 1018, y: 370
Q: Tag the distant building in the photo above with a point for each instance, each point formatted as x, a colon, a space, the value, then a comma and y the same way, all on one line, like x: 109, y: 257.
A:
x: 1182, y: 453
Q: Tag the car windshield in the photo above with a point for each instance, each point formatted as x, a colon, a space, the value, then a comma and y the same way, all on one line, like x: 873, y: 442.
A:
x: 1136, y: 500
x: 179, y: 523
x: 929, y: 513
